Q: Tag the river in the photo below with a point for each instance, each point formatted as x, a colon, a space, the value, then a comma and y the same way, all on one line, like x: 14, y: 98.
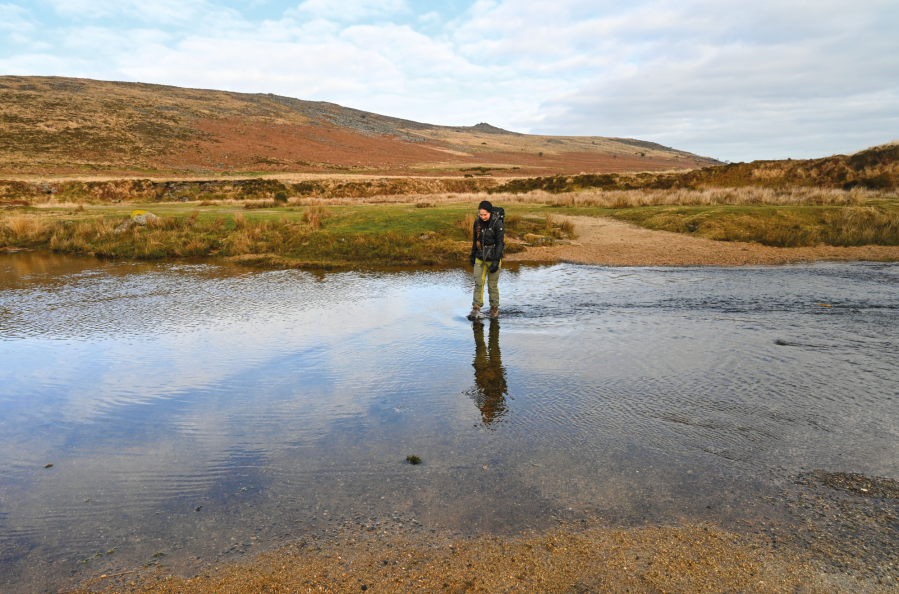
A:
x: 197, y: 410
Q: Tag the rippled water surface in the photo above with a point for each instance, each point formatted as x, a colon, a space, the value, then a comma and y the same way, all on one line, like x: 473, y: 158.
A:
x: 193, y: 409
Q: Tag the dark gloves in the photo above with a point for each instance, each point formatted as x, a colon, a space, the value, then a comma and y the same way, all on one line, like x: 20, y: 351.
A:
x: 494, y: 266
x: 471, y: 259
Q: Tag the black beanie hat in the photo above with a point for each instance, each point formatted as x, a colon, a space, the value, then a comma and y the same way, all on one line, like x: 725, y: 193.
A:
x: 484, y: 205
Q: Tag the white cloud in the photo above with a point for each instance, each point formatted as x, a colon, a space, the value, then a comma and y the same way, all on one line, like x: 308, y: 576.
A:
x: 430, y: 18
x: 15, y: 18
x: 829, y: 86
x: 735, y: 80
x: 349, y: 10
x: 709, y: 74
x: 157, y: 11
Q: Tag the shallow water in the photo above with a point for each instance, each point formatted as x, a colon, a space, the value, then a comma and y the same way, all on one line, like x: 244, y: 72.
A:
x: 277, y: 401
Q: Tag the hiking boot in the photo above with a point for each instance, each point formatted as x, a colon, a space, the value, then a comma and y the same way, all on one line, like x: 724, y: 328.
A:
x: 475, y: 312
x: 494, y: 312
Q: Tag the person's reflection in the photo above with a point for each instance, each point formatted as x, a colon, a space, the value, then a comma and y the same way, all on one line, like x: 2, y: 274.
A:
x: 490, y: 389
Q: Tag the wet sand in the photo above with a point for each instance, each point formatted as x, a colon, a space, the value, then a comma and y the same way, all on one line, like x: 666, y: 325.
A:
x: 578, y: 557
x: 834, y: 532
x: 607, y: 242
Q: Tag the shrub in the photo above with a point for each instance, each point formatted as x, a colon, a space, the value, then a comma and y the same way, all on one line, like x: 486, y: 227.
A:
x: 466, y: 223
x: 313, y: 215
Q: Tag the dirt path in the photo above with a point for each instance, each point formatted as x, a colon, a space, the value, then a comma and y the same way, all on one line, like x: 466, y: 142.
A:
x: 609, y: 242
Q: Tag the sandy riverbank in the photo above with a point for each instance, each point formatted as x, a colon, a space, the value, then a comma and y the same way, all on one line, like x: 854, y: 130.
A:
x: 577, y: 558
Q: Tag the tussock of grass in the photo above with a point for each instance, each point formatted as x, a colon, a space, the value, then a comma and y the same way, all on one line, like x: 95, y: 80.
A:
x: 313, y: 215
x: 466, y: 223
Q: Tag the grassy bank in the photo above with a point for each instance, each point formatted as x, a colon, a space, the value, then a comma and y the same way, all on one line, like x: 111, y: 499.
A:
x: 318, y: 232
x: 312, y: 236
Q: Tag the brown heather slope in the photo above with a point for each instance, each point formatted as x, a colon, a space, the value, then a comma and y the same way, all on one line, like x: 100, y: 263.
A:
x: 65, y: 126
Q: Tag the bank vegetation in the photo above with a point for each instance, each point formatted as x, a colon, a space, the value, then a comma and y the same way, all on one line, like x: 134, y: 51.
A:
x: 434, y: 228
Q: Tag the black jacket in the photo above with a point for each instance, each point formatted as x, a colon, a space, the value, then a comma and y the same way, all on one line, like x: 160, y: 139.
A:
x: 492, y: 236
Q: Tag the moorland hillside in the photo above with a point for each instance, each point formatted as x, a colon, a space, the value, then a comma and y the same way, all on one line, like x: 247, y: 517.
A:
x: 53, y: 125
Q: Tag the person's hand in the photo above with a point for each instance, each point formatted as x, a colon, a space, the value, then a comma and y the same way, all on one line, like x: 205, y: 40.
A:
x: 471, y: 259
x: 494, y: 266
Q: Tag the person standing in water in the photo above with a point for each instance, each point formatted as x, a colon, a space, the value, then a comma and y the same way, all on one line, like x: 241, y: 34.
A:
x: 487, y: 244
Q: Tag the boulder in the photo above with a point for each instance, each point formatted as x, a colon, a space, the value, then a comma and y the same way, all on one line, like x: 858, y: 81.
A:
x: 139, y: 218
x: 126, y: 225
x: 142, y: 217
x: 538, y: 240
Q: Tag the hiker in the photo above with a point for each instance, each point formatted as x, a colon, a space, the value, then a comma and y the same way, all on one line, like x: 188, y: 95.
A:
x: 487, y: 245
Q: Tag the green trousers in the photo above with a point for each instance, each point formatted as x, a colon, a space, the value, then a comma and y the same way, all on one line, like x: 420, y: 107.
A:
x: 482, y: 274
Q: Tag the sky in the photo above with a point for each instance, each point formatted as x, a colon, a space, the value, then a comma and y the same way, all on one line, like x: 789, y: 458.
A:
x: 735, y: 80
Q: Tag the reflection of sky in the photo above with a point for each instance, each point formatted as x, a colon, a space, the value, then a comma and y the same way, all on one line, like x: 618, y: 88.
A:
x: 176, y: 380
x: 288, y: 341
x: 273, y: 369
x: 167, y: 352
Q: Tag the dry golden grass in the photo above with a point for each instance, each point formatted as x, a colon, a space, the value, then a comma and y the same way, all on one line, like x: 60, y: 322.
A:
x: 548, y: 225
x: 746, y: 196
x: 256, y: 204
x: 25, y: 227
x: 19, y: 225
x: 862, y: 226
